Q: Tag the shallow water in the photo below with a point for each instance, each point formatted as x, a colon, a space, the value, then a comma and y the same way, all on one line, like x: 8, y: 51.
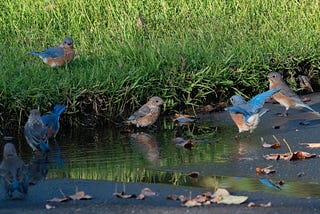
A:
x: 221, y: 159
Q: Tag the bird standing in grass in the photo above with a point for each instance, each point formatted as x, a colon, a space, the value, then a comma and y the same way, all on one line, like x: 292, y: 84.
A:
x: 147, y: 114
x: 286, y: 97
x: 59, y: 55
x: 36, y: 132
x: 13, y: 171
x: 51, y: 120
x: 246, y: 115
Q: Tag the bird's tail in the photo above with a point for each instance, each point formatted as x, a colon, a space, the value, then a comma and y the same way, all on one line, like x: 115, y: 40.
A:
x: 301, y: 104
x: 34, y: 53
x: 59, y: 109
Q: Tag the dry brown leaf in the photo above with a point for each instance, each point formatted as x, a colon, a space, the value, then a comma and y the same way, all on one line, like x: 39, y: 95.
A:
x: 201, y: 198
x: 265, y: 170
x: 80, y: 195
x: 268, y: 145
x: 191, y: 203
x: 311, y: 145
x: 172, y: 197
x: 290, y: 156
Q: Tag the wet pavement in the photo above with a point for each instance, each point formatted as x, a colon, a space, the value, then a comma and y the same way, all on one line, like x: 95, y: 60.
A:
x: 234, y: 169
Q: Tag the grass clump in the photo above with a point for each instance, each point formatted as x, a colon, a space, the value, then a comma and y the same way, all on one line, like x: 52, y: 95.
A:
x: 187, y: 52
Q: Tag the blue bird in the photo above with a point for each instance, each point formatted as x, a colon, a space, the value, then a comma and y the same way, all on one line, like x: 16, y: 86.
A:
x: 13, y: 171
x: 251, y: 111
x: 36, y: 132
x: 51, y: 120
x: 58, y: 55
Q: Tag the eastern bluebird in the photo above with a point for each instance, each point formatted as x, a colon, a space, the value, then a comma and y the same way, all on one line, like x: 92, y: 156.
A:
x: 58, y: 55
x: 147, y: 114
x: 286, y: 97
x: 36, y: 132
x: 51, y: 120
x: 246, y: 115
x: 14, y: 173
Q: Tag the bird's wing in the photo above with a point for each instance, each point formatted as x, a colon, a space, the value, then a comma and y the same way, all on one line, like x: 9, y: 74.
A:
x: 54, y: 52
x: 144, y: 110
x: 257, y: 102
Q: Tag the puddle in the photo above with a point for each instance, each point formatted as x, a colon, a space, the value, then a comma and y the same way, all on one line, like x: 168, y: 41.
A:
x: 152, y: 156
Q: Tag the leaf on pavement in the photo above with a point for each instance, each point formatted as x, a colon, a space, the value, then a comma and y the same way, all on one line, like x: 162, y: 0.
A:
x: 265, y: 170
x: 232, y: 199
x: 311, y: 145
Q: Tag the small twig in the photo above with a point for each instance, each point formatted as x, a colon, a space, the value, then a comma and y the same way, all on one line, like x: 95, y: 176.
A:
x: 124, y: 188
x: 62, y: 193
x: 190, y: 195
x: 76, y: 189
x: 276, y: 139
x: 284, y: 140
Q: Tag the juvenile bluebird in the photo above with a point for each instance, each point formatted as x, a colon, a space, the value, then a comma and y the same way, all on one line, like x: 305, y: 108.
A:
x: 13, y: 171
x: 147, y: 114
x: 51, y: 120
x: 58, y: 55
x: 286, y: 97
x: 246, y: 115
x: 36, y: 132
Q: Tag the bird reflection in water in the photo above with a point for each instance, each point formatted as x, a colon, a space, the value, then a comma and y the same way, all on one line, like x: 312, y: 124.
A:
x: 147, y: 144
x: 38, y: 167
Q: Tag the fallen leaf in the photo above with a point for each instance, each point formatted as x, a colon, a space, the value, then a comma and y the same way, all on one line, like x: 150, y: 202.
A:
x: 281, y: 182
x: 300, y: 174
x: 290, y: 156
x: 276, y: 127
x: 141, y: 197
x: 252, y: 204
x: 232, y: 199
x: 80, y: 195
x: 172, y: 197
x: 148, y: 192
x: 267, y: 145
x: 124, y: 196
x: 311, y: 145
x: 265, y: 170
x: 184, y: 119
x: 49, y: 207
x: 58, y: 200
x: 191, y: 203
x: 194, y: 175
x: 220, y: 192
x: 187, y: 144
x: 214, y: 107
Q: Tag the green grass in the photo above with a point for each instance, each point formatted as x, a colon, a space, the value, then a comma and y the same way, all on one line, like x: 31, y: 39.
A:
x: 187, y: 52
